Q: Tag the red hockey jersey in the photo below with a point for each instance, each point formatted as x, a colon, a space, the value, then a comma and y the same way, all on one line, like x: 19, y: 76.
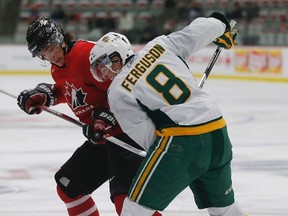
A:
x: 76, y: 86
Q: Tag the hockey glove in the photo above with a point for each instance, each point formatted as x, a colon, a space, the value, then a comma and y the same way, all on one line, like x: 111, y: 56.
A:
x: 31, y: 100
x: 103, y: 121
x: 227, y: 40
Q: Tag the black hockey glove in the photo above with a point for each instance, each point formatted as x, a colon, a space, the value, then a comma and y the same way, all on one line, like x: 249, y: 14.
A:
x: 103, y: 121
x: 227, y: 40
x: 31, y: 100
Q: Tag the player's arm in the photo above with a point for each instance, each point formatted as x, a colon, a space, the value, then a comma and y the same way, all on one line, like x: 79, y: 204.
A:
x: 198, y: 34
x: 139, y: 126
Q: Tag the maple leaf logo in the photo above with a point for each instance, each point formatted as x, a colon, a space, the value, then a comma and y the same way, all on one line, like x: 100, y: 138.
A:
x: 74, y: 97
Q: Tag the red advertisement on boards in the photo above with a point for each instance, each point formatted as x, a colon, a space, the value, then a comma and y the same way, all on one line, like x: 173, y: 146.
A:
x: 259, y: 61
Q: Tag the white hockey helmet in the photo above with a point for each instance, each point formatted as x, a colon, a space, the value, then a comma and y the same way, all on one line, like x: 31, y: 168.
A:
x: 107, y: 46
x: 110, y: 43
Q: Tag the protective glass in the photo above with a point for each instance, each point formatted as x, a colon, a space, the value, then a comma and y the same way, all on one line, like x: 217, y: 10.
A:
x: 102, y: 66
x: 55, y: 38
x: 103, y: 59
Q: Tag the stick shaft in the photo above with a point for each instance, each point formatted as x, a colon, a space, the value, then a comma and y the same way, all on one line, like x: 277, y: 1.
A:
x: 209, y: 67
x: 63, y: 116
x: 80, y: 124
x: 213, y: 60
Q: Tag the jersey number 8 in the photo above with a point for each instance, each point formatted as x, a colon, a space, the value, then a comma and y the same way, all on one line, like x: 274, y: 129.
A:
x: 166, y: 83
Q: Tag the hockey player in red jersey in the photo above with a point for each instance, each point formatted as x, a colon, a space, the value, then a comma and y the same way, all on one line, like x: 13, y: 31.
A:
x: 97, y: 160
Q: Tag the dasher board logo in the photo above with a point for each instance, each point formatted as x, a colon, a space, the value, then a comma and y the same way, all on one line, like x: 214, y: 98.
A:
x: 260, y: 61
x: 75, y: 97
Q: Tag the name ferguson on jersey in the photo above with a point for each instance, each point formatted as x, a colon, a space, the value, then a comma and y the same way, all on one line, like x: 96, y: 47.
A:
x: 140, y: 68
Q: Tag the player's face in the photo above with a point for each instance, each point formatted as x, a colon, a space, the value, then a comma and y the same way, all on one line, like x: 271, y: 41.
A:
x: 107, y: 69
x: 116, y: 63
x: 54, y: 54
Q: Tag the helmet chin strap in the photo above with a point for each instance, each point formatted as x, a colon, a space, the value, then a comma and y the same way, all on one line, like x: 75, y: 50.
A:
x: 115, y: 71
x: 109, y: 70
x: 64, y: 48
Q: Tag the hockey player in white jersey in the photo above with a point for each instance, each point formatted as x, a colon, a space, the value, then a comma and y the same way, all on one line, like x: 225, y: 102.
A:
x: 158, y: 103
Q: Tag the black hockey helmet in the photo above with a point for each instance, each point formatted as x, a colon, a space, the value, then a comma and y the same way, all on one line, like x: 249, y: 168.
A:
x: 41, y: 33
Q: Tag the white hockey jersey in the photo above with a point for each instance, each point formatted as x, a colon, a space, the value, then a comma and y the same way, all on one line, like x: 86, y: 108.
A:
x: 155, y: 90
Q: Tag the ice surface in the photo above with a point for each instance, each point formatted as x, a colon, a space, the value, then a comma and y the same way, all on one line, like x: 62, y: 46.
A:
x: 32, y: 148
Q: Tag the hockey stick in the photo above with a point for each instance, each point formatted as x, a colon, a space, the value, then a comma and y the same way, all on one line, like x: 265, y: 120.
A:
x: 80, y: 124
x: 213, y: 60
